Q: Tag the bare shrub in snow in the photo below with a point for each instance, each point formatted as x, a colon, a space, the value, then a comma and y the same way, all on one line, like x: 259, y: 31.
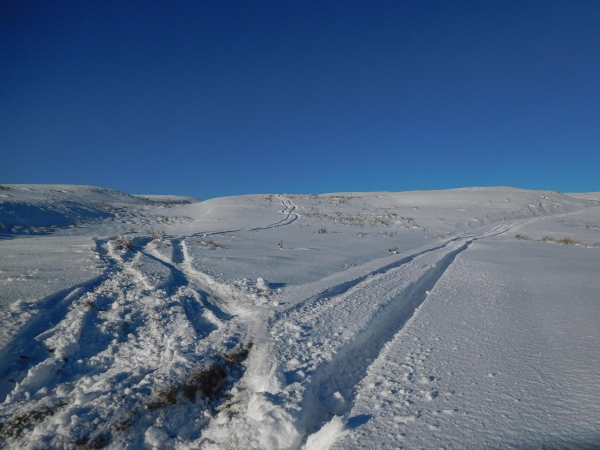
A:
x: 521, y: 237
x: 567, y: 241
x: 548, y: 239
x: 232, y: 295
x: 123, y: 243
x: 339, y: 199
x: 209, y: 242
x: 156, y: 235
x: 323, y: 230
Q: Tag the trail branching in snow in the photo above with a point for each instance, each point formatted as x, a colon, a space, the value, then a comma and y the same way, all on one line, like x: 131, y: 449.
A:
x: 161, y: 350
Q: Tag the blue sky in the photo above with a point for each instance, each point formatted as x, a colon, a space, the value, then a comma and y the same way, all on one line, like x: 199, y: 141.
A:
x: 214, y: 98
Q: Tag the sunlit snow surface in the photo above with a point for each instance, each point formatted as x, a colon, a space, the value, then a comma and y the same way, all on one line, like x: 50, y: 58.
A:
x: 440, y: 319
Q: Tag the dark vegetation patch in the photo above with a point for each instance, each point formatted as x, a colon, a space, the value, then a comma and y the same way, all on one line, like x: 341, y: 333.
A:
x: 20, y: 423
x: 96, y: 443
x: 206, y: 380
x: 123, y: 243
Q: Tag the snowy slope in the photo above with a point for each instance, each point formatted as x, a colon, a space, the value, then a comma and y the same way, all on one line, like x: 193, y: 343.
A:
x: 595, y: 196
x: 350, y: 320
x: 26, y: 206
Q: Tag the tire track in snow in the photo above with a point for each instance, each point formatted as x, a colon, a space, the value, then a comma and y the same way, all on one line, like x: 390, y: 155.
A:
x: 182, y: 279
x: 345, y: 287
x: 26, y: 353
x: 25, y: 350
x: 331, y: 393
x: 304, y: 337
x: 388, y: 306
x: 99, y: 334
x: 288, y: 210
x: 331, y: 390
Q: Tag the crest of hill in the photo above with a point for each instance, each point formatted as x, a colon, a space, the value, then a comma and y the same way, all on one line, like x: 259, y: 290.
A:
x: 500, y: 197
x: 593, y: 196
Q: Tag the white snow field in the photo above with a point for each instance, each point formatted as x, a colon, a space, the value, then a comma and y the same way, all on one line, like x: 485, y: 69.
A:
x: 458, y: 319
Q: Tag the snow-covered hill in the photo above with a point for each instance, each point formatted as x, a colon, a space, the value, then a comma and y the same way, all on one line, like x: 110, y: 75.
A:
x: 464, y: 318
x: 28, y: 206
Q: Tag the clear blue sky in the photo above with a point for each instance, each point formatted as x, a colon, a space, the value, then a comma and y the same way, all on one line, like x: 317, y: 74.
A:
x: 214, y: 98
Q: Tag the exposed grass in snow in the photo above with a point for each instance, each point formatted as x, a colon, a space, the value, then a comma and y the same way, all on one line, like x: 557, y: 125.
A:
x: 17, y: 425
x: 208, y: 381
x: 385, y: 233
x: 354, y: 220
x: 208, y: 242
x: 156, y: 235
x: 563, y: 241
x: 205, y: 380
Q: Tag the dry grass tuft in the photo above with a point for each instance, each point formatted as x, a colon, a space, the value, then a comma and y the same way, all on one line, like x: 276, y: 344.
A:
x: 123, y: 243
x: 156, y: 235
x: 209, y: 242
x: 567, y: 241
x: 564, y: 241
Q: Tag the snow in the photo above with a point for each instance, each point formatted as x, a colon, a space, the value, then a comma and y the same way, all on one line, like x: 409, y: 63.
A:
x: 432, y: 319
x: 500, y: 355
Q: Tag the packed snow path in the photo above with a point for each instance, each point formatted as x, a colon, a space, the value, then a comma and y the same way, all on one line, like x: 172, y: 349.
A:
x: 155, y: 353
